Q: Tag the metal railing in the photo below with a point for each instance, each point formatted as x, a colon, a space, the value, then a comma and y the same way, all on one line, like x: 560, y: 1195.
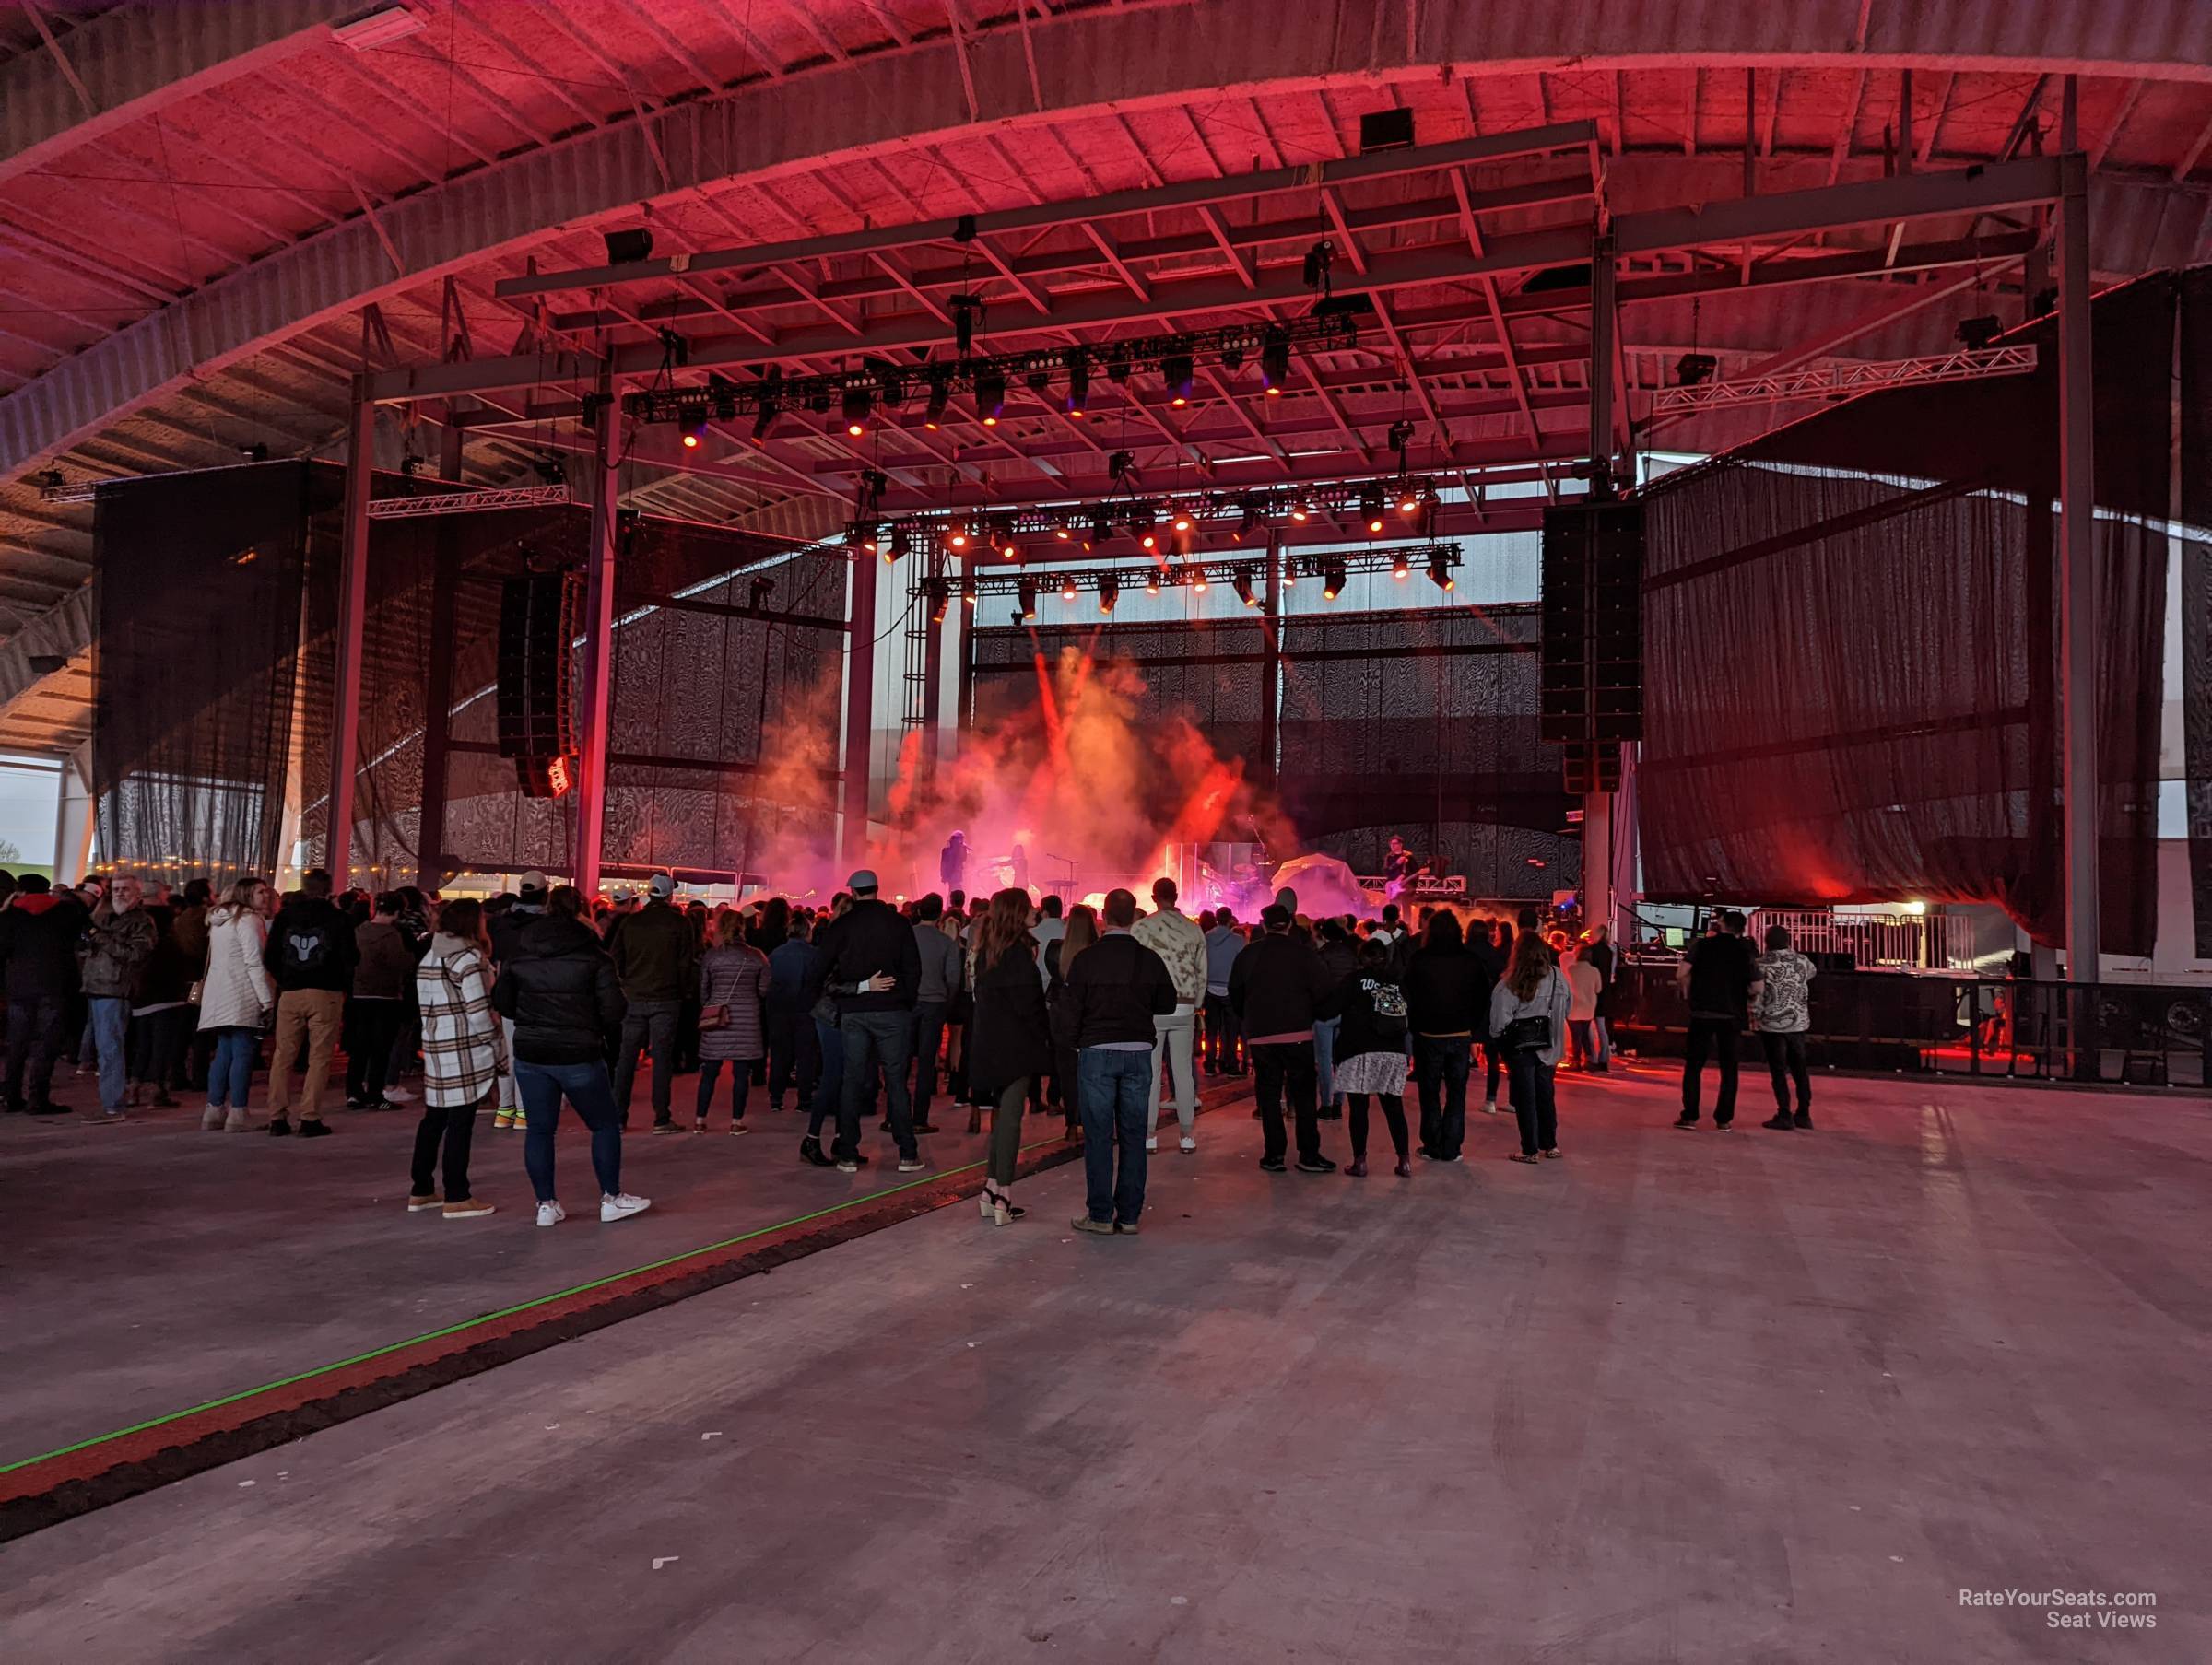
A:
x: 2146, y: 1035
x: 1936, y: 942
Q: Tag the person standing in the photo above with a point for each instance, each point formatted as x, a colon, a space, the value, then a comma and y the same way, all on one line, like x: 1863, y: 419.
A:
x: 464, y: 1054
x: 1115, y: 988
x: 1339, y: 958
x: 236, y: 998
x: 190, y: 927
x: 1223, y: 943
x: 872, y: 967
x: 506, y: 927
x: 1492, y: 942
x: 1060, y: 955
x: 1181, y: 945
x: 653, y: 955
x: 733, y: 979
x: 952, y: 866
x: 1528, y: 1022
x: 1447, y: 1002
x: 566, y: 1002
x: 1278, y: 987
x: 1600, y: 952
x: 1717, y: 979
x: 1049, y: 929
x: 310, y: 957
x: 160, y: 1017
x: 119, y: 939
x: 1009, y: 1040
x: 792, y: 1053
x: 1782, y: 1012
x: 385, y: 965
x: 1372, y: 1030
x: 1585, y: 984
x: 942, y: 972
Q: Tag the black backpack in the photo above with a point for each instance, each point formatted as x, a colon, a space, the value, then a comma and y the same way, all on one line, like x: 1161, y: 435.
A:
x: 303, y: 948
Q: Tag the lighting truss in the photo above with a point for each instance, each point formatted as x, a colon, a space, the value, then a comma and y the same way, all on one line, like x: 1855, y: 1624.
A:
x: 1843, y: 379
x: 1169, y: 571
x: 1334, y: 328
x: 1245, y: 513
x: 466, y: 502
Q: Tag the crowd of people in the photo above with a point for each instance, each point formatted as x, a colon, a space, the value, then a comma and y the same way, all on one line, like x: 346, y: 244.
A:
x: 1007, y: 1006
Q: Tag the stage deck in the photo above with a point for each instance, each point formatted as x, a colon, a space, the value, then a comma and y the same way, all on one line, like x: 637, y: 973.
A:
x: 1684, y: 1397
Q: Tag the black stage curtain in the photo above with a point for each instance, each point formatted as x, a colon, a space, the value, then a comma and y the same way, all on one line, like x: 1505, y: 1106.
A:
x: 2196, y: 590
x: 1851, y: 647
x: 199, y: 580
x: 1421, y: 722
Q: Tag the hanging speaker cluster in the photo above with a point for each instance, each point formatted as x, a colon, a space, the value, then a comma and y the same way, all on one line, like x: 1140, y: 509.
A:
x: 540, y: 617
x: 1592, y: 691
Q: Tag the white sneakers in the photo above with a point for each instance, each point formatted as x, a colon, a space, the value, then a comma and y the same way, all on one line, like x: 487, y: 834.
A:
x: 1151, y: 1145
x: 610, y: 1209
x: 1189, y: 1144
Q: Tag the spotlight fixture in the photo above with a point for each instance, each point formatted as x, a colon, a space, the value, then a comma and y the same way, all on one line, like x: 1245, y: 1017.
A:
x: 1241, y: 580
x: 956, y: 535
x: 1060, y: 532
x: 1079, y: 383
x: 1274, y: 358
x: 1314, y: 270
x: 255, y: 453
x: 1409, y: 501
x: 1439, y: 571
x: 1039, y: 382
x: 695, y: 429
x: 1299, y: 512
x: 1178, y: 371
x: 1067, y: 588
x: 1694, y: 367
x: 1401, y: 436
x: 1247, y: 519
x: 1182, y: 519
x: 967, y: 310
x: 764, y: 420
x: 968, y: 593
x: 990, y: 396
x: 1400, y: 565
x: 1110, y: 590
x: 1976, y: 334
x: 1147, y: 541
x: 1332, y: 580
x: 1025, y: 594
x: 902, y: 542
x: 1100, y: 530
x: 938, y: 593
x: 1370, y: 510
x: 940, y: 393
x: 762, y: 588
x: 858, y: 403
x: 1198, y: 580
x: 1152, y: 583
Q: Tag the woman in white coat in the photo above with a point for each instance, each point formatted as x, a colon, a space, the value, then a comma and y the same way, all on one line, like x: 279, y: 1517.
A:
x: 235, y: 1002
x: 1528, y: 1024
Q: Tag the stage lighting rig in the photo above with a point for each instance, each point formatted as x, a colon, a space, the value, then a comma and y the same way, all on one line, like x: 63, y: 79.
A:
x: 966, y: 313
x: 695, y: 432
x: 1274, y: 358
x: 1320, y: 260
x: 1110, y: 590
x: 1025, y: 596
x: 1179, y: 371
x: 940, y: 394
x: 1439, y: 571
x: 1370, y: 510
x: 858, y: 403
x: 937, y: 595
x: 1067, y: 588
x: 1332, y: 580
x: 990, y: 396
x: 1694, y: 367
x: 1079, y: 383
x: 1241, y: 581
x: 1400, y: 565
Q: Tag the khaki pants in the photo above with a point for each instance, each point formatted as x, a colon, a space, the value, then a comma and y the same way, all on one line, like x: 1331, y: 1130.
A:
x: 317, y: 1011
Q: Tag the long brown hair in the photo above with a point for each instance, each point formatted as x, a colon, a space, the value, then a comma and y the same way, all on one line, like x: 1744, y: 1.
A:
x: 1005, y: 927
x: 1082, y: 930
x: 464, y: 918
x: 238, y: 900
x: 1531, y: 959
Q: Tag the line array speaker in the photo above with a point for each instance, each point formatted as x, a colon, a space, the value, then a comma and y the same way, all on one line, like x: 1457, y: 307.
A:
x: 540, y: 616
x: 1592, y: 650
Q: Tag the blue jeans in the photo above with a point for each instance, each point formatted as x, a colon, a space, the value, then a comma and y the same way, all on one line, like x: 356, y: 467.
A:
x: 1324, y: 1059
x: 541, y: 1086
x: 110, y: 1019
x: 1113, y: 1089
x: 928, y: 1036
x: 232, y: 1071
x: 1441, y: 1063
x: 872, y: 1038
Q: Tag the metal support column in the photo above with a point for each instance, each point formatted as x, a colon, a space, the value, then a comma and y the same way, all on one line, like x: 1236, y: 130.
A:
x: 598, y: 643
x: 963, y: 696
x: 1597, y: 807
x: 1271, y: 663
x: 438, y: 697
x: 2078, y: 613
x: 933, y: 673
x: 353, y: 606
x: 860, y: 707
x: 73, y: 818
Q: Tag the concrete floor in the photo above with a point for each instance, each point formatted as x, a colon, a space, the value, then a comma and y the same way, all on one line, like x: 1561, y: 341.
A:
x: 1682, y: 1397
x: 152, y: 1267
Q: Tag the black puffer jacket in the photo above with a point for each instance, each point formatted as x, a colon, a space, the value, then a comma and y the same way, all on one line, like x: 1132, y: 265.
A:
x: 1448, y: 991
x: 1279, y: 986
x: 561, y: 990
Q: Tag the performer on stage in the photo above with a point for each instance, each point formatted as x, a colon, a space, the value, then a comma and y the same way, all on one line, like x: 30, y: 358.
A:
x: 1017, y: 865
x: 952, y: 863
x: 1397, y: 870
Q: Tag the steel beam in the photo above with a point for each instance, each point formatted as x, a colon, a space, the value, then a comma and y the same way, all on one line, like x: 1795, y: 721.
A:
x: 860, y: 709
x: 2079, y: 639
x: 595, y: 707
x: 353, y: 611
